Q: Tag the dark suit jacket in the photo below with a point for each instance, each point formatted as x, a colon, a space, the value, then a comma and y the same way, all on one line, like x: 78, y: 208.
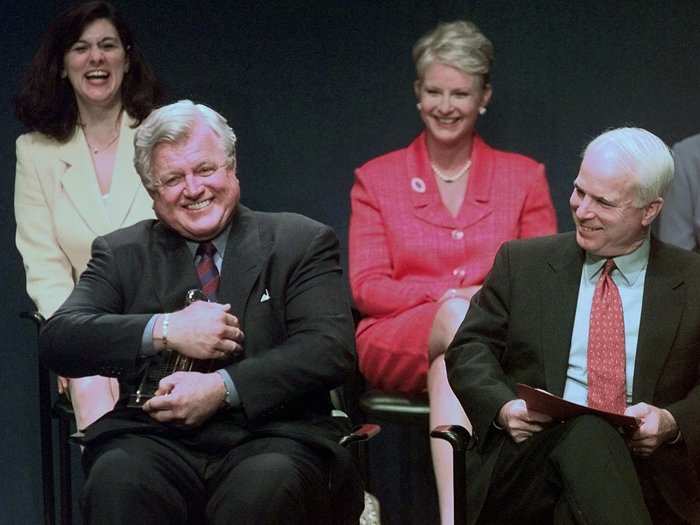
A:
x: 518, y: 330
x: 298, y: 345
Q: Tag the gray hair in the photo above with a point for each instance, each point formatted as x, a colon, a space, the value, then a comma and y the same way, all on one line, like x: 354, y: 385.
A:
x: 172, y: 124
x: 642, y: 155
x: 458, y: 44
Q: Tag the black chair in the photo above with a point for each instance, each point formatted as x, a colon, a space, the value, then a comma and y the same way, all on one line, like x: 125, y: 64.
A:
x: 415, y: 410
x: 460, y: 439
x: 410, y: 415
x: 62, y: 410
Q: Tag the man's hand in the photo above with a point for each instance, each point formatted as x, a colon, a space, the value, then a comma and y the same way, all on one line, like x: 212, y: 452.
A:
x: 519, y: 422
x: 657, y: 427
x: 203, y: 331
x: 187, y: 398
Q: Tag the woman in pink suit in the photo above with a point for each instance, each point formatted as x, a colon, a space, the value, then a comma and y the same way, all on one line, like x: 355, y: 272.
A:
x: 426, y: 223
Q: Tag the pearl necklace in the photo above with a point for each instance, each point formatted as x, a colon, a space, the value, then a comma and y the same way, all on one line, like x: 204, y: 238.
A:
x: 451, y: 178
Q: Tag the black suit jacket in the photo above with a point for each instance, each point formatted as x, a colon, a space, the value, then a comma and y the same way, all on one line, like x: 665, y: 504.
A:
x: 298, y: 345
x: 518, y: 330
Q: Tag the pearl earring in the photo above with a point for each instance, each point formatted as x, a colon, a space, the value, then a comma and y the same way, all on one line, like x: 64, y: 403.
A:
x: 419, y: 107
x: 482, y: 110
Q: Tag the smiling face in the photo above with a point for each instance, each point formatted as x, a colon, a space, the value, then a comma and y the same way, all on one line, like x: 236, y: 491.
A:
x: 608, y: 223
x: 95, y: 65
x: 197, y: 189
x: 449, y: 103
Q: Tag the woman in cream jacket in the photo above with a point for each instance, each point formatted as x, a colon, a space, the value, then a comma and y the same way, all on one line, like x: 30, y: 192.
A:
x: 85, y: 91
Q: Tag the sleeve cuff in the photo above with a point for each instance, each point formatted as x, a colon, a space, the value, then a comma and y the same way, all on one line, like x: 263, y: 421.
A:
x: 232, y: 399
x: 147, y: 349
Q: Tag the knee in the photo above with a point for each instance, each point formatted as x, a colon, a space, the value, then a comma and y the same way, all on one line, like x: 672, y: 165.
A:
x: 281, y: 471
x: 91, y: 388
x: 277, y: 483
x: 447, y: 321
x: 118, y: 472
x: 591, y: 433
x: 589, y: 428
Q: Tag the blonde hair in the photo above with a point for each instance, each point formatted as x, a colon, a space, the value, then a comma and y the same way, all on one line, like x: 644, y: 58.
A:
x: 458, y: 44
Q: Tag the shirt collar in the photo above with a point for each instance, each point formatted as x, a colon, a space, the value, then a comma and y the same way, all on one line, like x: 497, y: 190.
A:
x: 630, y: 266
x: 219, y: 241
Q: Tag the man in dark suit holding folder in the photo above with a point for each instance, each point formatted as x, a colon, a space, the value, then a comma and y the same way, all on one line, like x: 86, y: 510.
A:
x: 249, y: 440
x: 605, y: 316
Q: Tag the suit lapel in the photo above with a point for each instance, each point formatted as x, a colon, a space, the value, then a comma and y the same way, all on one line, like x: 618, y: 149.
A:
x: 425, y: 195
x: 242, y: 261
x: 173, y: 268
x: 80, y: 184
x: 559, y: 296
x: 477, y: 200
x: 662, y: 306
x: 125, y: 182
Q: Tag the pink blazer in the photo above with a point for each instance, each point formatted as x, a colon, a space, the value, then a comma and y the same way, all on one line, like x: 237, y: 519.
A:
x: 405, y: 247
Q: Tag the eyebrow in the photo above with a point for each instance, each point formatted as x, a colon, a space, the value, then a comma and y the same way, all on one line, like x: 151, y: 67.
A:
x: 101, y: 40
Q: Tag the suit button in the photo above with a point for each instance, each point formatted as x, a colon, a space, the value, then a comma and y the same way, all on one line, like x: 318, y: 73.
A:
x: 457, y: 235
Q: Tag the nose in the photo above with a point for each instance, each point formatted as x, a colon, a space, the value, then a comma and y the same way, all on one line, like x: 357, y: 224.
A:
x: 582, y: 207
x: 445, y: 104
x: 96, y: 54
x: 193, y: 186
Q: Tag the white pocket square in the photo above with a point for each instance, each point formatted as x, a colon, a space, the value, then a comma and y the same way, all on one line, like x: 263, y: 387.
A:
x: 265, y: 296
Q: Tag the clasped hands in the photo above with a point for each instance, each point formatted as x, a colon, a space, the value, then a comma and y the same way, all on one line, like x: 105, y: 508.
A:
x: 202, y: 330
x: 657, y: 425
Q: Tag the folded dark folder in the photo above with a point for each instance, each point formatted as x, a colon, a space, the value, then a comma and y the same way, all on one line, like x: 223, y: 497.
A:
x: 561, y: 409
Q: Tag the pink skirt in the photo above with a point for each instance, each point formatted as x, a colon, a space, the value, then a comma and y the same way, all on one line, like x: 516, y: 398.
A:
x: 393, y: 351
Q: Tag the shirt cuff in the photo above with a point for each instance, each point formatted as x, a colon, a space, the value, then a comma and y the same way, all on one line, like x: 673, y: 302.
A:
x: 147, y: 349
x: 232, y: 399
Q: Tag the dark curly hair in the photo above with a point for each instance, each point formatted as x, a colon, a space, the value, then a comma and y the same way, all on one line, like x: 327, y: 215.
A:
x: 46, y: 102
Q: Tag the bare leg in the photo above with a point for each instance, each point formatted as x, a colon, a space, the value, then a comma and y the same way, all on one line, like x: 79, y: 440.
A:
x: 445, y: 409
x: 92, y: 397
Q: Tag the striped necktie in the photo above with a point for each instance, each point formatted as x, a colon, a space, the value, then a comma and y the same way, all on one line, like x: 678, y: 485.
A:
x: 206, y: 269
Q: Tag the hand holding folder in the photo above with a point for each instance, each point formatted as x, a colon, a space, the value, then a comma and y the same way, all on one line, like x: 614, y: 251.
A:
x: 561, y: 409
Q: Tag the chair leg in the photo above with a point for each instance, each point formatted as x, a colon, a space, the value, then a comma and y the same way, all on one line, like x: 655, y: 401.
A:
x: 64, y: 459
x: 45, y: 431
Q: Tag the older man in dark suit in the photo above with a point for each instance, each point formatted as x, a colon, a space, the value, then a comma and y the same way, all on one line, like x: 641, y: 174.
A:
x: 252, y: 440
x: 606, y: 317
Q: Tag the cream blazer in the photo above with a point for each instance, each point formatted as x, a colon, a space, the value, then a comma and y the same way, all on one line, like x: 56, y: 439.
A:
x: 59, y: 209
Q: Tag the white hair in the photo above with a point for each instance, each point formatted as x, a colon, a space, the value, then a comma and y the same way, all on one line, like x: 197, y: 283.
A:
x: 172, y: 124
x: 642, y: 155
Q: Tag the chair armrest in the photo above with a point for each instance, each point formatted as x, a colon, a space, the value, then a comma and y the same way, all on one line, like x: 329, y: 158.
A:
x: 460, y: 439
x: 360, y: 433
x: 456, y: 435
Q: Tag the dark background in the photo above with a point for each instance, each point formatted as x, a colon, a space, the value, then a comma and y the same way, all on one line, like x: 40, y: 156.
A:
x: 314, y: 89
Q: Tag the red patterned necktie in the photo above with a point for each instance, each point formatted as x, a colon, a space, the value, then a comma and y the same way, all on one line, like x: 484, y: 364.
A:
x: 606, y: 346
x: 206, y: 270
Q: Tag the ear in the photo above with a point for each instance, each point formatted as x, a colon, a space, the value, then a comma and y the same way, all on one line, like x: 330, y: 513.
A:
x: 416, y: 88
x: 651, y: 211
x: 486, y: 96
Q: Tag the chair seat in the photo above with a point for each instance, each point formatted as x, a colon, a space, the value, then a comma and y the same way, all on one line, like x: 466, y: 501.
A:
x: 396, y: 407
